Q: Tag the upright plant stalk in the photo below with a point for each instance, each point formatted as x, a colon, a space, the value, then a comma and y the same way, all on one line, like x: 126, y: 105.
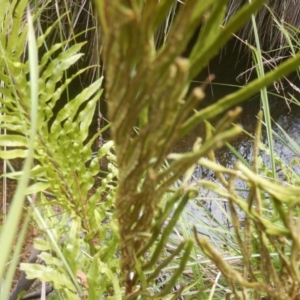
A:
x: 14, y: 215
x: 145, y: 87
x: 4, y: 166
x: 264, y: 95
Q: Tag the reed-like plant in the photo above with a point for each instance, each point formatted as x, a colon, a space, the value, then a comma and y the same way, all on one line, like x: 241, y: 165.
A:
x: 267, y: 240
x: 147, y: 86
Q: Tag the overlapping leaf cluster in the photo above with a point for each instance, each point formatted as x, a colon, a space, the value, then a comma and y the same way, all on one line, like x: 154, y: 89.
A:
x: 72, y: 210
x: 147, y: 86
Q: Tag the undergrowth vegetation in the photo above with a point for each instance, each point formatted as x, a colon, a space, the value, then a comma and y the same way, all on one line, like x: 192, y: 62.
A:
x: 122, y: 232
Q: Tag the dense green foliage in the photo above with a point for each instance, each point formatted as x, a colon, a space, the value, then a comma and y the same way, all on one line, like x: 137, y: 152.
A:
x: 106, y: 234
x: 63, y: 165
